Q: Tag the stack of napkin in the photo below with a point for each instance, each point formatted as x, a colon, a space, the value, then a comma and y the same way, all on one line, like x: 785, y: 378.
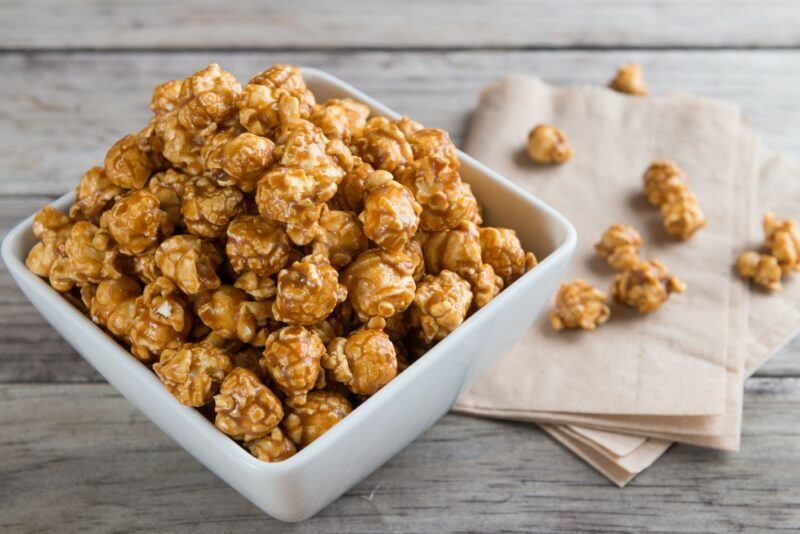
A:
x: 619, y: 396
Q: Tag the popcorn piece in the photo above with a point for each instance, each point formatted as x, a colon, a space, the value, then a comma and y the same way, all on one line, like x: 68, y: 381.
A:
x: 181, y: 147
x: 502, y: 250
x: 340, y: 118
x: 308, y: 291
x: 144, y: 266
x: 208, y: 97
x: 246, y: 408
x: 257, y: 286
x: 257, y: 245
x: 292, y: 358
x: 352, y: 189
x: 391, y: 215
x: 340, y: 237
x: 457, y: 250
x: 682, y: 216
x: 444, y: 198
x: 94, y: 194
x: 190, y: 262
x: 440, y: 305
x: 248, y: 357
x: 50, y: 224
x: 327, y: 329
x: 275, y: 447
x: 260, y: 100
x: 240, y: 161
x: 136, y: 222
x: 662, y: 180
x: 782, y: 239
x: 408, y: 126
x: 208, y: 208
x: 91, y: 252
x: 379, y: 284
x: 485, y: 286
x: 548, y: 144
x: 304, y: 146
x: 383, y: 145
x: 169, y: 187
x: 231, y: 315
x: 113, y: 304
x: 630, y: 80
x: 126, y: 165
x: 579, y: 305
x: 162, y: 320
x: 165, y: 97
x: 646, y: 286
x: 433, y: 142
x: 619, y: 246
x: 193, y: 373
x: 364, y: 362
x: 291, y: 197
x: 764, y: 269
x: 414, y: 251
x: 322, y: 410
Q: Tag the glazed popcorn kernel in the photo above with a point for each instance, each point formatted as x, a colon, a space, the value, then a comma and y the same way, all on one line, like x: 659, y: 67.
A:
x: 208, y: 97
x: 136, y: 222
x: 246, y: 409
x: 50, y: 224
x: 291, y: 197
x: 379, y: 283
x: 486, y: 285
x: 327, y: 329
x: 169, y: 187
x: 239, y: 160
x: 165, y: 97
x: 92, y: 253
x: 193, y: 372
x: 646, y: 286
x: 144, y: 267
x: 457, y: 250
x: 441, y: 303
x: 433, y: 142
x: 292, y: 358
x: 502, y: 250
x: 352, y: 189
x: 308, y: 291
x: 275, y: 447
x: 181, y: 147
x: 340, y: 237
x: 383, y: 145
x: 259, y: 287
x: 162, y: 320
x: 304, y: 146
x: 579, y: 305
x: 682, y: 216
x: 113, y: 304
x: 408, y: 126
x: 391, y: 215
x: 782, y: 239
x: 231, y: 314
x: 127, y: 165
x: 322, y: 410
x: 364, y: 362
x: 257, y: 245
x: 414, y: 251
x: 764, y: 269
x: 95, y: 192
x: 662, y: 180
x: 259, y: 102
x: 619, y: 246
x: 340, y: 118
x: 190, y: 262
x: 247, y: 357
x: 208, y: 208
x: 548, y: 144
x: 629, y: 79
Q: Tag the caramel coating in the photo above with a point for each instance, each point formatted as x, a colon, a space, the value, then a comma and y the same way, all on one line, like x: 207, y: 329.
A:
x: 308, y: 291
x: 94, y: 194
x: 162, y: 320
x: 304, y: 146
x: 113, y: 304
x: 257, y: 245
x: 441, y: 303
x: 579, y: 305
x: 764, y: 269
x: 190, y: 262
x: 486, y: 285
x: 352, y: 189
x: 340, y: 118
x: 502, y: 250
x: 127, y: 165
x: 208, y: 97
x: 208, y: 208
x: 180, y: 146
x: 259, y: 103
x: 48, y: 258
x: 322, y: 410
x: 548, y: 144
x: 364, y: 362
x: 240, y: 161
x: 662, y: 180
x: 246, y: 408
x: 619, y: 246
x: 408, y: 126
x: 275, y: 447
x: 646, y: 286
x: 292, y: 358
x: 165, y: 97
x: 340, y: 237
x: 457, y: 250
x: 136, y: 222
x: 50, y: 224
x: 782, y: 239
x: 193, y: 373
x: 629, y: 79
x: 92, y: 253
x: 379, y: 283
x: 390, y: 216
x: 231, y: 314
x: 383, y: 145
x: 144, y: 266
x: 682, y: 216
x: 291, y: 197
x: 169, y: 187
x: 444, y: 198
x: 414, y: 251
x: 433, y: 142
x: 257, y: 286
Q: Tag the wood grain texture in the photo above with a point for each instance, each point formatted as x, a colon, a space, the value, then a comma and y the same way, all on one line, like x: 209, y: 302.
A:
x: 416, y: 24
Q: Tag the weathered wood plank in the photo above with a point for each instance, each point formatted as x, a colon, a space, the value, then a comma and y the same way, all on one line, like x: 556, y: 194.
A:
x: 60, y: 112
x: 362, y: 23
x: 80, y: 457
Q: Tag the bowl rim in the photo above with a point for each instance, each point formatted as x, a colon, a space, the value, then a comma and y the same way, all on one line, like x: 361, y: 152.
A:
x: 231, y: 448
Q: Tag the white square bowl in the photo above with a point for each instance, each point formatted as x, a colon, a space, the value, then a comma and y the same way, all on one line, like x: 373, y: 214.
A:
x: 376, y: 430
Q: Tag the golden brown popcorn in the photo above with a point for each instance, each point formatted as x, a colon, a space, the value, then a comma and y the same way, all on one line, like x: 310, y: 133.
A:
x: 113, y: 304
x: 502, y: 250
x: 445, y: 199
x: 782, y: 239
x: 193, y: 372
x: 414, y: 251
x: 165, y: 97
x: 391, y: 215
x: 646, y: 286
x: 259, y: 103
x: 486, y: 285
x: 246, y: 408
x: 247, y: 357
x: 408, y: 126
x: 169, y: 187
x: 682, y: 216
x: 630, y: 80
x: 292, y: 358
x: 764, y: 269
x: 352, y: 189
x: 181, y: 147
x: 327, y: 329
x: 240, y: 160
x: 619, y: 246
x: 441, y: 303
x: 548, y: 144
x: 304, y: 146
x: 435, y: 143
x: 127, y: 165
x: 579, y: 305
x: 364, y: 362
x: 208, y: 208
x: 662, y: 180
x: 62, y: 275
x: 50, y: 224
x: 340, y: 118
x: 308, y: 291
x: 162, y: 320
x: 383, y: 145
x: 259, y: 287
x: 92, y: 253
x: 208, y: 97
x: 231, y: 315
x: 275, y: 447
x: 190, y: 262
x: 379, y: 283
x: 136, y: 222
x: 257, y: 245
x: 44, y: 255
x: 144, y: 266
x: 340, y: 237
x: 457, y: 250
x: 94, y: 194
x: 322, y: 410
x: 291, y: 197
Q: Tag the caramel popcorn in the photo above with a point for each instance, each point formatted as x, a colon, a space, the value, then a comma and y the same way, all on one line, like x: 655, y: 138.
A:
x: 257, y: 286
x: 165, y: 97
x: 457, y: 250
x: 92, y: 253
x: 444, y: 198
x: 682, y: 216
x: 304, y: 146
x: 193, y: 373
x: 190, y: 262
x: 231, y: 314
x: 308, y: 291
x: 257, y: 245
x: 340, y: 118
x: 275, y: 447
x: 340, y: 237
x: 352, y: 189
x: 433, y: 142
x: 379, y: 283
x: 169, y: 187
x: 291, y: 197
x: 327, y: 329
x: 548, y: 144
x: 662, y: 180
x: 414, y: 251
x: 440, y: 304
x: 144, y: 266
x: 391, y: 215
x: 408, y: 126
x: 646, y: 286
x: 208, y: 208
x: 208, y: 97
x: 136, y: 222
x: 292, y: 358
x: 260, y: 100
x: 619, y: 246
x: 486, y: 285
x: 162, y: 320
x: 246, y: 408
x: 383, y: 145
x: 364, y: 362
x: 764, y: 269
x: 579, y: 305
x: 630, y: 80
x: 240, y: 161
x: 127, y: 165
x: 113, y: 304
x: 94, y: 194
x: 181, y: 147
x: 322, y: 410
x: 502, y: 250
x: 782, y: 239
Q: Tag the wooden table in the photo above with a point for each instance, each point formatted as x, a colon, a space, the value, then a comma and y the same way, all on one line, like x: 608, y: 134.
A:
x: 75, y: 456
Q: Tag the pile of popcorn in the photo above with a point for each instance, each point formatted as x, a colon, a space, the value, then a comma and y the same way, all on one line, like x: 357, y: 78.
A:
x: 275, y: 260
